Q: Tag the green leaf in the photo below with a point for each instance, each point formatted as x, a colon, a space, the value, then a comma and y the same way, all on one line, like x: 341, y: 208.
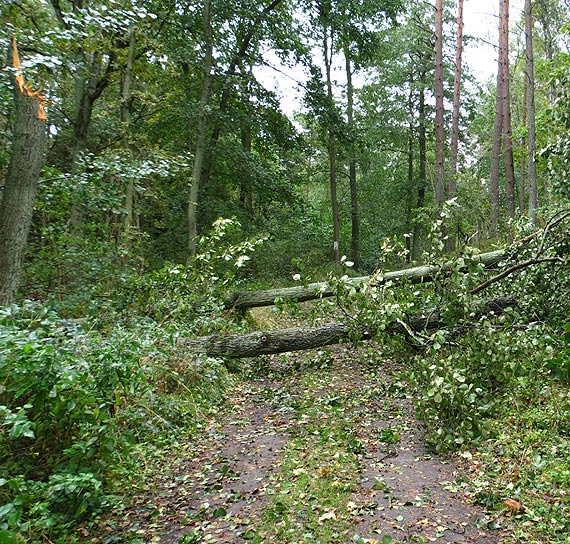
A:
x: 219, y: 512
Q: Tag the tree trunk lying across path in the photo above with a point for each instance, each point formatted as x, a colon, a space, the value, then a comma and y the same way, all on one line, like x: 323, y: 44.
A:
x: 301, y: 338
x: 418, y: 274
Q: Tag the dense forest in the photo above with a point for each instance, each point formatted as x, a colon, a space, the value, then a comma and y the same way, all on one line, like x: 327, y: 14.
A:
x: 374, y: 249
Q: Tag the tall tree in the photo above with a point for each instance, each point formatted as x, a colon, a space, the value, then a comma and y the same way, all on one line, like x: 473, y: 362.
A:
x: 354, y: 212
x: 439, y: 108
x: 246, y: 37
x: 507, y: 135
x: 328, y: 33
x: 202, y: 128
x: 530, y: 114
x: 126, y: 117
x: 26, y: 161
x: 422, y: 174
x: 452, y: 187
x: 501, y: 124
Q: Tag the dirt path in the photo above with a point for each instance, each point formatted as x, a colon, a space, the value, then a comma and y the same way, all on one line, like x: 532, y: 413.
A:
x: 320, y: 447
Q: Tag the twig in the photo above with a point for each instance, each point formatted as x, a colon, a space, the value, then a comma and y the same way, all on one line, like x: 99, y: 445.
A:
x: 512, y: 269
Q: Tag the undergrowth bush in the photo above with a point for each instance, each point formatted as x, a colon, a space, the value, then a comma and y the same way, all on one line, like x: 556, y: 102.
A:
x: 75, y: 400
x: 81, y: 398
x: 461, y: 386
x: 192, y: 295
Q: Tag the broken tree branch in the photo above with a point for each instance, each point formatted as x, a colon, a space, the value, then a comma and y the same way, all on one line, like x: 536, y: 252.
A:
x: 514, y: 268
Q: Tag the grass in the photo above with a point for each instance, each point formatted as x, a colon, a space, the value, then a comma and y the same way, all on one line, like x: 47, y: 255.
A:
x: 528, y: 461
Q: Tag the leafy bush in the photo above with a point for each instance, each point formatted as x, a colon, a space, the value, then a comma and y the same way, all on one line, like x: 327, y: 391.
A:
x: 461, y: 386
x: 192, y: 294
x: 74, y: 401
x: 559, y: 365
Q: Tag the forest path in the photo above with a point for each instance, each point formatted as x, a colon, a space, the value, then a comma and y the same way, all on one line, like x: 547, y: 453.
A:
x: 318, y: 447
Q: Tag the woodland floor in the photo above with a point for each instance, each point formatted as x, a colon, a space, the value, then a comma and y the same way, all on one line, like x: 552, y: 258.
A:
x: 317, y: 447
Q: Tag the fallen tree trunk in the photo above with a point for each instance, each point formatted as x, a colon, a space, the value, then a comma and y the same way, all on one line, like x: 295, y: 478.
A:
x: 417, y: 274
x: 301, y: 338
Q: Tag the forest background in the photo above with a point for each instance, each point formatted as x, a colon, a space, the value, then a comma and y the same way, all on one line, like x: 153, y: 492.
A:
x: 148, y: 172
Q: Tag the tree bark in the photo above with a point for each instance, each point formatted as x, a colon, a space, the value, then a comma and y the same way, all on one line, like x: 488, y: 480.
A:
x: 354, y: 211
x: 524, y: 145
x: 328, y: 52
x: 506, y: 98
x: 494, y: 192
x: 531, y: 116
x: 88, y: 88
x: 302, y: 338
x: 200, y: 149
x: 418, y: 274
x: 26, y: 160
x: 456, y: 103
x: 422, y: 160
x: 439, y: 108
x: 452, y: 187
x: 126, y: 114
x: 410, y: 185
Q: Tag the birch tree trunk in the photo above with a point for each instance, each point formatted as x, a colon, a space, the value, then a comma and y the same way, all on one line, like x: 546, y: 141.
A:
x: 26, y: 160
x: 531, y: 115
x: 456, y: 103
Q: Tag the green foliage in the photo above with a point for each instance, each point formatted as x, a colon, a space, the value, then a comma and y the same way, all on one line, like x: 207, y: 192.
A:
x: 462, y: 386
x: 74, y: 403
x: 559, y: 366
x: 193, y: 294
x: 555, y: 153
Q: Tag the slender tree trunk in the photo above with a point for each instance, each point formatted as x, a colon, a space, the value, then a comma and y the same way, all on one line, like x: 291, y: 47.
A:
x: 126, y: 113
x: 332, y: 152
x: 531, y: 119
x: 246, y: 188
x: 354, y: 211
x: 26, y: 159
x: 314, y: 291
x: 439, y: 108
x: 422, y: 159
x: 410, y: 185
x: 506, y: 97
x: 86, y: 93
x: 200, y: 149
x: 524, y: 160
x: 409, y: 191
x: 456, y: 103
x: 497, y: 137
x: 452, y: 188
